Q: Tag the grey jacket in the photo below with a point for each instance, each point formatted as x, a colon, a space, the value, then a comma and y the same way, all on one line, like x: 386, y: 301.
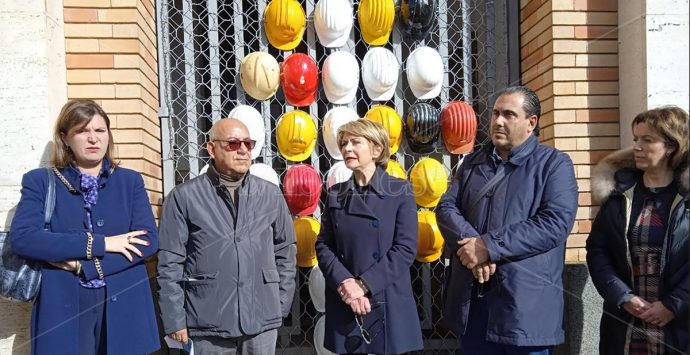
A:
x: 220, y: 275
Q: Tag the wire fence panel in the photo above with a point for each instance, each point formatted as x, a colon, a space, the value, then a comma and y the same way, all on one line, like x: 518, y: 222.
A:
x: 202, y: 44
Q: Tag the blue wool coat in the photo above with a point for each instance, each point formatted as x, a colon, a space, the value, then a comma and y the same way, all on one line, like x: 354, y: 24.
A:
x: 122, y: 206
x: 375, y: 241
x: 524, y: 223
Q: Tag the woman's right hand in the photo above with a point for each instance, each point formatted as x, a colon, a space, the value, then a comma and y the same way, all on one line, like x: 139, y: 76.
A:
x: 360, y: 306
x: 125, y: 244
x: 636, y: 306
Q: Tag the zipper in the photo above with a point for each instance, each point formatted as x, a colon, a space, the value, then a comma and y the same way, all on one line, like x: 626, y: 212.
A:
x: 669, y: 233
x: 487, y: 221
x: 628, y: 210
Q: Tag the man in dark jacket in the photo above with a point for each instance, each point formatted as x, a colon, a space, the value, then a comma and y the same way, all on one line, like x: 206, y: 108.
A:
x: 227, y: 253
x: 506, y: 218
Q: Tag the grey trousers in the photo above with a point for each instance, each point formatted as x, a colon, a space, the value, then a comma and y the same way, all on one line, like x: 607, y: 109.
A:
x: 260, y: 344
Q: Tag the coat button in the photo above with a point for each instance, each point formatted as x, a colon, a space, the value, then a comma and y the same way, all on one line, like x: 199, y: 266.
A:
x: 100, y: 223
x: 113, y: 299
x: 375, y: 223
x: 375, y: 255
x: 240, y: 284
x: 501, y: 244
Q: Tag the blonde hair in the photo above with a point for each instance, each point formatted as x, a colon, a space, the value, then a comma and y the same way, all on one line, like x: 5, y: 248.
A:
x: 373, y: 132
x: 671, y: 122
x: 77, y: 114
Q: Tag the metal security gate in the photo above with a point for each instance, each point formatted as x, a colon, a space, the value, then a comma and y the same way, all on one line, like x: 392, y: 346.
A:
x: 201, y: 45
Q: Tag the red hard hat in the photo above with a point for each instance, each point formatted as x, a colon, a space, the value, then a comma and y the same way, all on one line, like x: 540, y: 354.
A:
x: 299, y: 78
x: 302, y: 189
x: 459, y: 127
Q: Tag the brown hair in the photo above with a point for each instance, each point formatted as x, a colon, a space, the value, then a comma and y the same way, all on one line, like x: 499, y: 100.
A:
x: 371, y: 131
x: 77, y: 114
x: 671, y: 122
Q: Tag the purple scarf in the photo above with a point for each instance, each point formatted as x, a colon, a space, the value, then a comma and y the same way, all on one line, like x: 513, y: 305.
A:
x: 89, y: 188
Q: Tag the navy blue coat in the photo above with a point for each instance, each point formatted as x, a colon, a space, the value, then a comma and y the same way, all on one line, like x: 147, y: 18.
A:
x: 122, y: 206
x: 608, y: 256
x: 375, y: 241
x: 524, y: 222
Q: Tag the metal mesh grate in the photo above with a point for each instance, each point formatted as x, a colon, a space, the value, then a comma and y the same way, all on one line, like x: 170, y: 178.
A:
x: 201, y: 47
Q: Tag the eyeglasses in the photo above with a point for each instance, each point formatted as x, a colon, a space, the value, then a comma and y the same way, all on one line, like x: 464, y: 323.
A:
x: 366, y: 336
x: 232, y: 145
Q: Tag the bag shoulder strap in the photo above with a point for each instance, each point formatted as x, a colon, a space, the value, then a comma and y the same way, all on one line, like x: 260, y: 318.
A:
x: 50, y: 200
x: 64, y: 180
x: 490, y: 184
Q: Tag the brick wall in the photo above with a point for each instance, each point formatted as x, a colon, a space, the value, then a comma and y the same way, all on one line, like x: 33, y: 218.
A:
x: 569, y: 52
x: 111, y: 56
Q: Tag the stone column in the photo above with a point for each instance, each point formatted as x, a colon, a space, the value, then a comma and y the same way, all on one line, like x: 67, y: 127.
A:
x: 653, y: 54
x: 32, y: 90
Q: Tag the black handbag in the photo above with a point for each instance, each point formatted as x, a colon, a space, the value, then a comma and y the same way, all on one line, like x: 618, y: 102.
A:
x: 20, y: 278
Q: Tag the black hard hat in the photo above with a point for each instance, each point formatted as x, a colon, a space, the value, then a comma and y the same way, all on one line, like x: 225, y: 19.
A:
x: 417, y: 17
x: 422, y: 127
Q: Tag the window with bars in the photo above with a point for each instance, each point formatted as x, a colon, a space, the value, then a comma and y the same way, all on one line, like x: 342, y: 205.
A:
x: 201, y: 46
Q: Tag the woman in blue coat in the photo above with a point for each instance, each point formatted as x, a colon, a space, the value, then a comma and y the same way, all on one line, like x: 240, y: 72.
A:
x: 95, y: 296
x: 367, y: 244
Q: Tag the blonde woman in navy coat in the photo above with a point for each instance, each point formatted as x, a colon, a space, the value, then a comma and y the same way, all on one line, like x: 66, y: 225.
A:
x: 95, y: 296
x: 367, y: 244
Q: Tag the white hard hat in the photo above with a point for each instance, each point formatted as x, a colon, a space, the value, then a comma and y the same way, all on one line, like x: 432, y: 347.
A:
x: 317, y: 289
x: 425, y: 72
x: 333, y: 22
x: 338, y: 173
x: 335, y: 118
x: 340, y: 77
x: 319, y: 335
x: 380, y: 71
x: 265, y: 172
x: 255, y: 124
x: 260, y: 75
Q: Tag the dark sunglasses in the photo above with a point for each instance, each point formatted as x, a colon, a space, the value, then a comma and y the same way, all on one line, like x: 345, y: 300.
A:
x: 232, y: 145
x: 366, y: 336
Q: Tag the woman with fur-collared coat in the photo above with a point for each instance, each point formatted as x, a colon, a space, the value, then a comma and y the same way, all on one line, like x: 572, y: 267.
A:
x: 368, y: 242
x: 637, y: 252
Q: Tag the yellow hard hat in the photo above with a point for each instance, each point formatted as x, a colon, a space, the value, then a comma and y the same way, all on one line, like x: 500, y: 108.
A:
x: 296, y: 135
x: 376, y: 20
x: 391, y: 121
x: 306, y: 230
x: 284, y: 21
x: 429, y: 182
x: 430, y: 240
x: 260, y: 75
x: 394, y: 169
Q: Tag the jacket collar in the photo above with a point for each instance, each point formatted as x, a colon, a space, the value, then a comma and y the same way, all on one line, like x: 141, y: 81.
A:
x: 517, y: 155
x: 616, y: 173
x: 378, y: 183
x: 347, y: 196
x: 72, y: 173
x: 214, y: 176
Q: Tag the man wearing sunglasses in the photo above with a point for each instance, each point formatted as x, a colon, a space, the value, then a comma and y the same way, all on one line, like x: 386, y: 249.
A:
x: 227, y: 253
